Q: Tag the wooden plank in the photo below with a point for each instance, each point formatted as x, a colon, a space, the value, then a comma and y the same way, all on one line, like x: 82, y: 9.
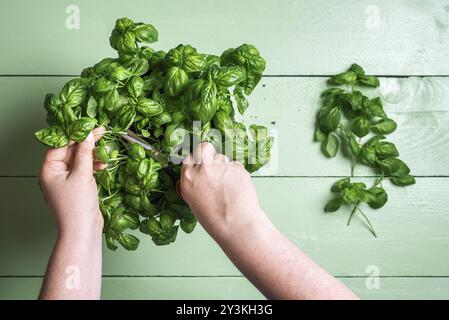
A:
x: 288, y: 105
x: 296, y: 37
x: 212, y: 288
x: 412, y: 230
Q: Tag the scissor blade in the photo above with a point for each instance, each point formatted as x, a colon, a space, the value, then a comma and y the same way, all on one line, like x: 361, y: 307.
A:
x: 153, y: 152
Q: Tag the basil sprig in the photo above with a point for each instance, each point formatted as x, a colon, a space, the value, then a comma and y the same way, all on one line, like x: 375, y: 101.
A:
x: 352, y: 121
x: 157, y: 95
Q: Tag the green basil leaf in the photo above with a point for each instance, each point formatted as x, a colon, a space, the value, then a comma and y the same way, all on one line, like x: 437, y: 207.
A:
x: 330, y: 146
x: 53, y: 137
x: 368, y: 155
x: 52, y: 103
x: 135, y: 86
x: 222, y: 121
x: 340, y: 185
x: 188, y: 224
x: 133, y: 201
x: 128, y: 241
x: 384, y: 126
x: 379, y: 198
x: 101, y: 153
x: 194, y: 63
x: 124, y: 118
x: 136, y: 152
x: 348, y: 77
x: 161, y: 118
x: 394, y: 167
x: 80, y: 128
x: 369, y: 81
x: 103, y: 85
x: 403, y: 181
x: 176, y: 80
x: 110, y: 242
x: 91, y: 108
x: 111, y: 100
x: 145, y: 32
x: 149, y: 107
x: 354, y: 145
x: 319, y: 135
x: 386, y: 150
x: 120, y: 73
x: 230, y: 76
x: 374, y: 108
x: 333, y: 205
x: 329, y: 119
x: 73, y: 93
x: 242, y: 103
x: 360, y: 126
x: 358, y: 70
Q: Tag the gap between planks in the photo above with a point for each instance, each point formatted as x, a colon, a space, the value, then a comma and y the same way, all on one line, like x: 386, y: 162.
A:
x: 263, y: 76
x: 231, y: 276
x: 277, y: 177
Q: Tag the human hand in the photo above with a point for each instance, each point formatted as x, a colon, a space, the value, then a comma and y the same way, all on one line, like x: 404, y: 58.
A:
x: 219, y: 192
x: 67, y: 181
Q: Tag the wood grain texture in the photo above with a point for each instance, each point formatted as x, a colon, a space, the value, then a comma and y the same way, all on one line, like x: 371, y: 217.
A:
x: 307, y: 37
x: 412, y: 229
x: 287, y: 105
x: 212, y: 288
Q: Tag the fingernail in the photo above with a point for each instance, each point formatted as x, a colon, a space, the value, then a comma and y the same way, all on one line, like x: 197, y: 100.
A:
x: 90, y: 137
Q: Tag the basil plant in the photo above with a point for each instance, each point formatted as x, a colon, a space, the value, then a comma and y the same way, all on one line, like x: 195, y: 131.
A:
x: 159, y: 96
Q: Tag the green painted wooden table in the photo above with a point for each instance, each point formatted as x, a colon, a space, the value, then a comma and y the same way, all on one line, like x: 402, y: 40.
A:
x: 405, y: 42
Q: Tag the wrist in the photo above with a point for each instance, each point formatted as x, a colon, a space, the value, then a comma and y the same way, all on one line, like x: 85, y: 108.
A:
x: 83, y: 231
x: 237, y: 226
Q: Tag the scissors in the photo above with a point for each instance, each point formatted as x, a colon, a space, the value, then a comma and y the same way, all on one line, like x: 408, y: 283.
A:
x: 152, y: 151
x: 156, y: 155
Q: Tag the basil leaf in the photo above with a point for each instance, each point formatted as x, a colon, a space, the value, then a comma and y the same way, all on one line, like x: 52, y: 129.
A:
x: 145, y: 32
x: 354, y: 145
x: 386, y: 150
x: 330, y: 146
x: 384, y: 126
x: 329, y: 119
x: 128, y: 241
x: 53, y: 137
x: 80, y: 129
x: 333, y: 205
x: 73, y: 93
x: 91, y: 108
x: 403, y: 181
x: 149, y: 107
x: 188, y: 224
x: 348, y: 77
x: 360, y: 126
x: 175, y: 81
x: 394, y: 167
x: 242, y: 103
x: 135, y: 86
x: 369, y: 81
x: 379, y: 198
x: 340, y: 185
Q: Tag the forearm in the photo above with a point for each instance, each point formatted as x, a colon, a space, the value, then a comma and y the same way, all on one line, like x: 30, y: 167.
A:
x: 277, y: 267
x: 74, y: 270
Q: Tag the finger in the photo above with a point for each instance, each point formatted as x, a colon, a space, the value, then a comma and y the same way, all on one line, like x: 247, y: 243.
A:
x: 58, y: 154
x: 220, y: 158
x: 99, y: 132
x: 187, y: 164
x: 204, y: 153
x: 99, y: 166
x: 237, y: 163
x: 83, y: 162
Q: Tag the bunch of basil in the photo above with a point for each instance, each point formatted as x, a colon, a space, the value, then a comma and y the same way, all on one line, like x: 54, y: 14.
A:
x: 346, y: 117
x: 154, y: 93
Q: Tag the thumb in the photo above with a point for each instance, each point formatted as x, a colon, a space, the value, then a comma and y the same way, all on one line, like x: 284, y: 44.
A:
x: 83, y: 162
